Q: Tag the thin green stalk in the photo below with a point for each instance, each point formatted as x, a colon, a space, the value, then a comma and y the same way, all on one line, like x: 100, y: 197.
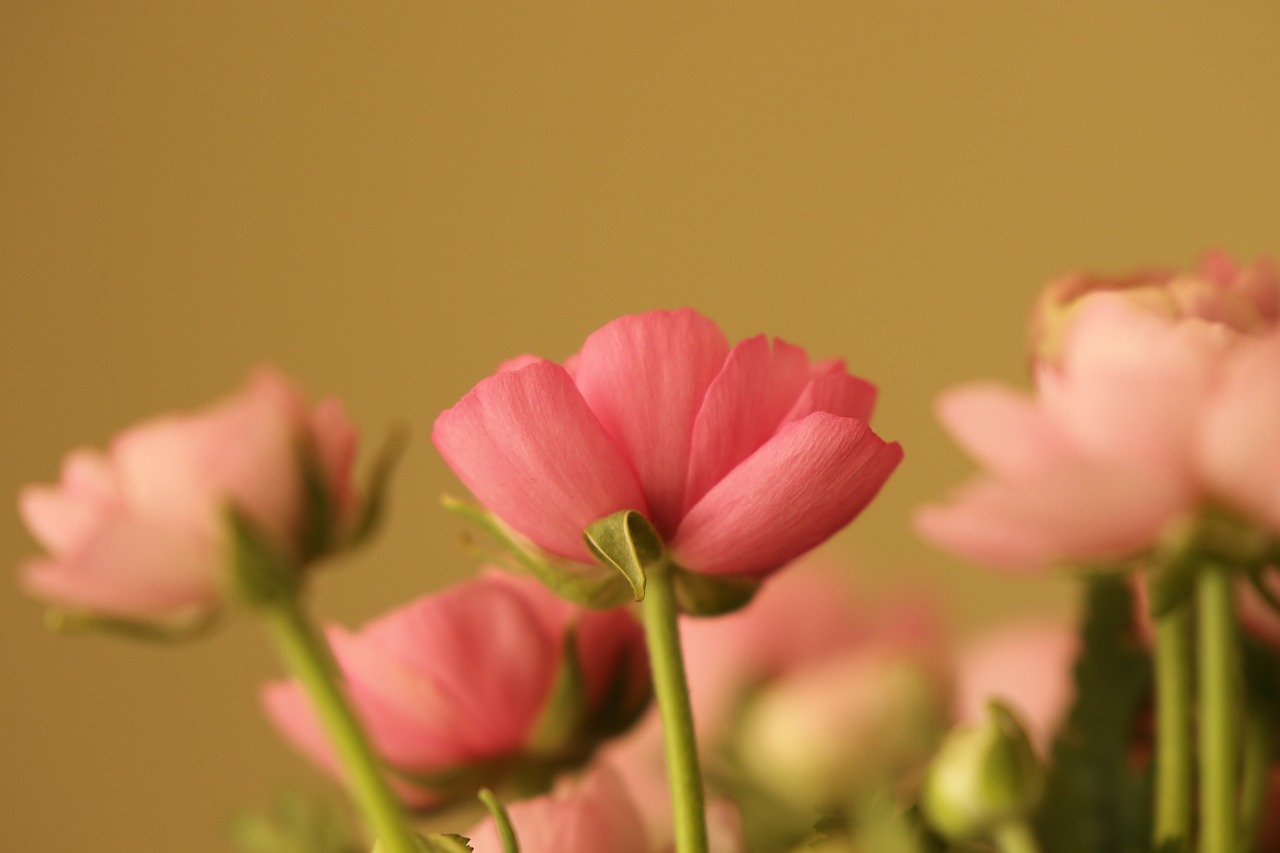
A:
x: 662, y: 633
x: 1174, y: 770
x: 1220, y: 712
x: 1256, y: 779
x: 307, y: 656
x: 1015, y: 836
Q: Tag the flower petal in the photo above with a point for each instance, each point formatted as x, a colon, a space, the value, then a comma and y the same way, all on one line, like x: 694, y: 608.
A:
x: 837, y: 393
x: 742, y: 409
x: 529, y: 448
x: 1239, y: 444
x: 645, y: 377
x: 807, y: 482
x: 1001, y: 429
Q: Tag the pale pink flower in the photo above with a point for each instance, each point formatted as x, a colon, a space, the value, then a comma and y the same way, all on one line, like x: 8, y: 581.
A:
x: 1025, y: 665
x: 742, y: 458
x: 1142, y: 420
x: 137, y: 531
x: 591, y: 814
x: 461, y: 679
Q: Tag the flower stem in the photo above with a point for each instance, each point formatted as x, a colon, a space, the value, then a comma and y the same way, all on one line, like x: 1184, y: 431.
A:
x: 1174, y: 775
x: 1219, y: 711
x: 662, y: 633
x: 1256, y: 778
x: 307, y: 656
x: 1015, y: 836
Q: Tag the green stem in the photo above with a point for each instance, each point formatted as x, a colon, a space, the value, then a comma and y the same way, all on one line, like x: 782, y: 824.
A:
x: 662, y: 632
x: 1174, y: 772
x: 1219, y: 711
x: 1015, y: 836
x: 1256, y: 779
x: 307, y: 656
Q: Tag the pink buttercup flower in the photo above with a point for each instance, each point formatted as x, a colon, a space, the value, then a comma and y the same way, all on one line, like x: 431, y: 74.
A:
x: 453, y: 687
x: 741, y: 457
x: 137, y: 532
x: 1142, y: 421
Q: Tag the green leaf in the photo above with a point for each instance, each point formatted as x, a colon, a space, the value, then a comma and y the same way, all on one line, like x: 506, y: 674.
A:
x: 625, y: 541
x: 564, y: 716
x: 1094, y: 799
x: 377, y: 487
x: 260, y: 573
x: 712, y: 595
x: 73, y: 623
x: 587, y: 584
x: 506, y: 831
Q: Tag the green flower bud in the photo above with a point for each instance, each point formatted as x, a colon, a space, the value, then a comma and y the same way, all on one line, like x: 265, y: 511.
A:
x: 983, y: 776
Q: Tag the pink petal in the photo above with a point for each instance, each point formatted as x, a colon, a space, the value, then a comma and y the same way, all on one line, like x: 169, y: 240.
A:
x: 1072, y: 511
x: 1131, y: 386
x: 133, y: 569
x: 806, y: 483
x: 645, y: 377
x: 837, y: 393
x: 529, y: 448
x: 742, y: 409
x: 1001, y: 429
x: 1239, y: 445
x: 484, y: 649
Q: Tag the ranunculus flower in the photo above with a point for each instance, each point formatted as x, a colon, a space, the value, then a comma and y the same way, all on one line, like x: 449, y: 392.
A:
x: 1144, y: 420
x: 457, y: 687
x: 137, y: 532
x: 741, y: 457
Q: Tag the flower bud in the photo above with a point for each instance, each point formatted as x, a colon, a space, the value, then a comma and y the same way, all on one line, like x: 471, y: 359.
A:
x: 982, y: 776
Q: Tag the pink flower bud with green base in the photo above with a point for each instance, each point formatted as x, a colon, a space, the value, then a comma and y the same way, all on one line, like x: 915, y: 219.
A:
x: 492, y: 679
x: 139, y: 532
x: 741, y: 458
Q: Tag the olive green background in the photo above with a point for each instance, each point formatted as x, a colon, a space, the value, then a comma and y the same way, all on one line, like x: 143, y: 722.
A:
x: 389, y: 198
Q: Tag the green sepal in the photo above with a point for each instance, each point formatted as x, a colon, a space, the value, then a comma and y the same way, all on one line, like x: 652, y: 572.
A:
x: 627, y: 542
x: 564, y: 716
x: 448, y: 842
x: 318, y: 514
x: 298, y: 822
x: 453, y: 783
x: 1171, y: 584
x: 699, y: 594
x: 75, y: 623
x: 587, y: 584
x: 377, y: 488
x: 1095, y: 799
x: 883, y: 826
x: 260, y: 573
x: 506, y: 832
x: 1259, y: 584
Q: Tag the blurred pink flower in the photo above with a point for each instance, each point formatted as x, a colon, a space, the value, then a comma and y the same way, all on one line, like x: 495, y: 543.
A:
x: 136, y: 532
x: 461, y: 679
x: 1026, y: 665
x: 742, y: 458
x: 1143, y: 419
x: 590, y: 814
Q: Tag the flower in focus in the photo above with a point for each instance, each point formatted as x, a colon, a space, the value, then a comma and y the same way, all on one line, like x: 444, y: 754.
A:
x: 741, y: 458
x: 138, y: 532
x: 465, y: 687
x: 1146, y: 418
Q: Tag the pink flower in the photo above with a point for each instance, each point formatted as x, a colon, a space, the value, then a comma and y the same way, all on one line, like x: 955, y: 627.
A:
x: 742, y: 458
x: 461, y: 680
x: 588, y: 815
x: 1141, y: 423
x: 137, y: 532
